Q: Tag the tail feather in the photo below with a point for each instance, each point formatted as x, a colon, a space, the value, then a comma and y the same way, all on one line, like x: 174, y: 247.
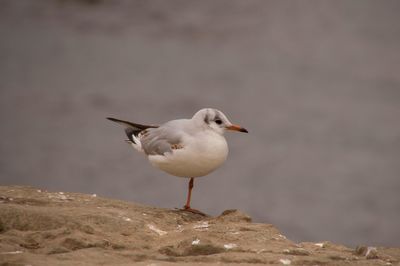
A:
x: 130, y: 124
x: 131, y: 129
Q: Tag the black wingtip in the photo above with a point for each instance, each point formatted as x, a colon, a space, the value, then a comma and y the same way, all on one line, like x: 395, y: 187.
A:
x: 112, y: 119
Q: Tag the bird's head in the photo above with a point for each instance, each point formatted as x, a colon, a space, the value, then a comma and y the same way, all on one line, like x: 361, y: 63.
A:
x: 216, y: 120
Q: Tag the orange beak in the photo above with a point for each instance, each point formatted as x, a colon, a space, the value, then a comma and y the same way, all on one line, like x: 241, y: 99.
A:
x: 237, y: 128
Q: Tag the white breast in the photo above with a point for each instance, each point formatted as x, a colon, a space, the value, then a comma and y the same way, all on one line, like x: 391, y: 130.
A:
x: 200, y: 155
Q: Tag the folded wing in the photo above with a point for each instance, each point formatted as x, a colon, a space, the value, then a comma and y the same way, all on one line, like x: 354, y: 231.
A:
x: 132, y: 130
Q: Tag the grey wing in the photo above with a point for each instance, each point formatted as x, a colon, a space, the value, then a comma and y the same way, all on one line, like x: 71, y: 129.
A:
x: 158, y: 141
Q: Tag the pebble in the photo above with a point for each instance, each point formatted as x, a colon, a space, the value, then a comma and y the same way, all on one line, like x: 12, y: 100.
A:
x: 372, y: 253
x: 368, y: 252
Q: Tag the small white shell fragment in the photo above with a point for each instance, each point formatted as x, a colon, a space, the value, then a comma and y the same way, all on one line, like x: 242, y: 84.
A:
x: 155, y: 229
x: 12, y: 252
x: 62, y: 197
x: 38, y: 191
x: 279, y: 237
x: 179, y: 228
x: 127, y: 219
x: 203, y: 225
x: 321, y: 245
x: 57, y: 196
x: 196, y: 242
x: 297, y: 251
x: 260, y: 251
x: 94, y: 195
x: 230, y: 246
x: 285, y: 261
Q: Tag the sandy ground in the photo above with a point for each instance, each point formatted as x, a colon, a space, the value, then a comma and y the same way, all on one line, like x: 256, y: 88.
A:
x: 39, y: 227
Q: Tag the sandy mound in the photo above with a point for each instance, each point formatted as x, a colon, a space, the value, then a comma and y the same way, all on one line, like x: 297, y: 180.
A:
x: 55, y: 228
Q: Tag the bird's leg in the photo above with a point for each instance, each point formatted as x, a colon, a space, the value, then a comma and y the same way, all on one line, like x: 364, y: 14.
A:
x: 187, y: 206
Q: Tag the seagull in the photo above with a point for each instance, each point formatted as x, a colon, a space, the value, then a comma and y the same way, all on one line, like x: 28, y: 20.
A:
x: 187, y: 148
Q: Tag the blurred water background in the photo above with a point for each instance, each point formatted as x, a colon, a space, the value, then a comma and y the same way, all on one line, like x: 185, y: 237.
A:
x: 317, y: 83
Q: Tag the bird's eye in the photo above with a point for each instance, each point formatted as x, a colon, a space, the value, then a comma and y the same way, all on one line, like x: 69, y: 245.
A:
x: 218, y: 121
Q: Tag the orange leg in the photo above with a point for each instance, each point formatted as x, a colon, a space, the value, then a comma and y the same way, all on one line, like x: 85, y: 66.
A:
x: 187, y: 206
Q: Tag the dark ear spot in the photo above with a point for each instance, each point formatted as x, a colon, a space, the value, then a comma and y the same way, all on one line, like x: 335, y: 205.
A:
x: 206, y: 119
